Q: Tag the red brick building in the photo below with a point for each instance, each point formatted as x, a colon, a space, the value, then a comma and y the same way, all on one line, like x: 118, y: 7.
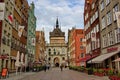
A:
x: 76, y: 50
x: 92, y: 29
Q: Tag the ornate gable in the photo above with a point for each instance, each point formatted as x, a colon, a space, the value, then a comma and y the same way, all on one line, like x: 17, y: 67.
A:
x: 57, y: 31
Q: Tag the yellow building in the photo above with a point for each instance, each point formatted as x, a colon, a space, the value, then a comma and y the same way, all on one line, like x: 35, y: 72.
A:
x: 6, y: 35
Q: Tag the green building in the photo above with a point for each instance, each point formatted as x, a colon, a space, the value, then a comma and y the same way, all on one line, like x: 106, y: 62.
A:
x: 31, y: 35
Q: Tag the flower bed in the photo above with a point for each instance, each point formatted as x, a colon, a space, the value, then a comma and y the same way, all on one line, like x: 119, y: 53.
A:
x: 114, y: 77
x: 99, y: 74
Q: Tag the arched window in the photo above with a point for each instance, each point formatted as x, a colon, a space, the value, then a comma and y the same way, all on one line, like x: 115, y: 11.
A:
x: 63, y: 58
x: 54, y: 52
x: 49, y: 51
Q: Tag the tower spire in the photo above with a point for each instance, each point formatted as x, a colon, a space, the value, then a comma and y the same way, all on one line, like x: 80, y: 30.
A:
x: 57, y: 23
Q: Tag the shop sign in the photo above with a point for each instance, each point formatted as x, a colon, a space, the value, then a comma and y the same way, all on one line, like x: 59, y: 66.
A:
x: 4, y: 56
x: 113, y: 49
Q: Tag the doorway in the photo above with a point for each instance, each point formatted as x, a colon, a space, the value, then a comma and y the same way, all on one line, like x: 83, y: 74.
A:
x: 56, y: 61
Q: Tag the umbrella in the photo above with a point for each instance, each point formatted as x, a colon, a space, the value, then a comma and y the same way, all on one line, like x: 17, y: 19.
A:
x: 117, y: 60
x: 17, y: 63
x: 22, y: 56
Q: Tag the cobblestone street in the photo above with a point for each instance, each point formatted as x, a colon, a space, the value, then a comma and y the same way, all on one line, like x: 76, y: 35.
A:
x: 56, y: 74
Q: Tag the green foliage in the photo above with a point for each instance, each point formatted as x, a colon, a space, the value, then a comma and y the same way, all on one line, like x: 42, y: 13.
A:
x: 77, y: 68
x: 110, y: 72
x: 118, y: 74
x: 95, y: 70
x: 100, y: 70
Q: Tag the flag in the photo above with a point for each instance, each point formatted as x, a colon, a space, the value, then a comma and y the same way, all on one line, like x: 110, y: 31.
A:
x: 2, y: 10
x: 20, y: 30
x: 33, y: 41
x: 10, y: 18
x: 93, y: 36
x: 118, y: 18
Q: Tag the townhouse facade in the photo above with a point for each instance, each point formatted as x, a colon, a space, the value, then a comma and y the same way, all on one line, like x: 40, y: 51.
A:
x: 40, y: 47
x: 92, y: 30
x: 108, y: 34
x: 31, y: 35
x: 109, y: 31
x: 76, y: 49
x: 15, y: 16
x: 6, y: 34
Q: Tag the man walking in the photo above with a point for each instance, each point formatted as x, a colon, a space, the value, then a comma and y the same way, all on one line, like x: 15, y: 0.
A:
x: 61, y: 67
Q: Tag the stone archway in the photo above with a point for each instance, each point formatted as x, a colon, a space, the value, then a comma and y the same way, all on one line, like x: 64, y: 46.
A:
x: 56, y: 62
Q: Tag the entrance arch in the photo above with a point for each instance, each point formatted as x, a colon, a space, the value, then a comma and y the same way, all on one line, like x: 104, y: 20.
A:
x: 56, y: 62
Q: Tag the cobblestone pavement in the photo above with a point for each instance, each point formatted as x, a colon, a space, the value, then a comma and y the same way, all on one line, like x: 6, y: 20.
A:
x: 56, y: 74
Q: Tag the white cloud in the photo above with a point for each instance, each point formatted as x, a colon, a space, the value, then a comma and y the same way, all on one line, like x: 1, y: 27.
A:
x: 69, y: 12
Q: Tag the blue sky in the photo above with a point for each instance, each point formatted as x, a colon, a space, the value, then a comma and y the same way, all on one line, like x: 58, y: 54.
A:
x: 69, y: 12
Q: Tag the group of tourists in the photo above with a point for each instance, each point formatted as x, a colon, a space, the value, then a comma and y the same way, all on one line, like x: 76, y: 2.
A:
x: 46, y: 67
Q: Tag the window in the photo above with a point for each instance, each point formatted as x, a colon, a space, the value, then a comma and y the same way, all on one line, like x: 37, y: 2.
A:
x: 49, y: 51
x: 109, y: 18
x: 82, y: 55
x: 102, y: 5
x: 105, y: 41
x: 107, y: 2
x: 5, y: 32
x: 115, y: 9
x: 115, y: 31
x: 97, y: 28
x: 103, y: 23
x: 81, y: 47
x: 96, y: 14
x: 93, y: 45
x: 86, y: 16
x: 4, y: 40
x: 110, y: 38
x: 118, y: 35
x: 80, y: 39
x: 93, y: 5
x: 54, y: 52
x: 8, y: 42
x: 98, y: 43
x: 91, y: 20
x: 63, y: 58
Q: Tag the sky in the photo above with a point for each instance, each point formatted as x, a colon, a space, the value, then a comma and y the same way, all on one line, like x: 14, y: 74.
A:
x: 69, y: 13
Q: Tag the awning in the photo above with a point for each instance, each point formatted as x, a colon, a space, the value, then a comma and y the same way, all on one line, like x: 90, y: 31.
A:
x: 84, y: 59
x: 87, y: 58
x: 102, y: 57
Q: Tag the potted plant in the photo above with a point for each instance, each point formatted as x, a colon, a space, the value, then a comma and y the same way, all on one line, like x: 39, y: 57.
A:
x: 90, y: 71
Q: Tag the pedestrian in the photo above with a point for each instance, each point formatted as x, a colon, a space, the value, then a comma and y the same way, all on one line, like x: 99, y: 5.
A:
x: 61, y: 67
x: 48, y: 66
x: 45, y: 67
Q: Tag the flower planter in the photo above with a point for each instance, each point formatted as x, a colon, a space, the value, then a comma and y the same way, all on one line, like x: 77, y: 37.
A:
x: 114, y: 77
x: 98, y: 74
